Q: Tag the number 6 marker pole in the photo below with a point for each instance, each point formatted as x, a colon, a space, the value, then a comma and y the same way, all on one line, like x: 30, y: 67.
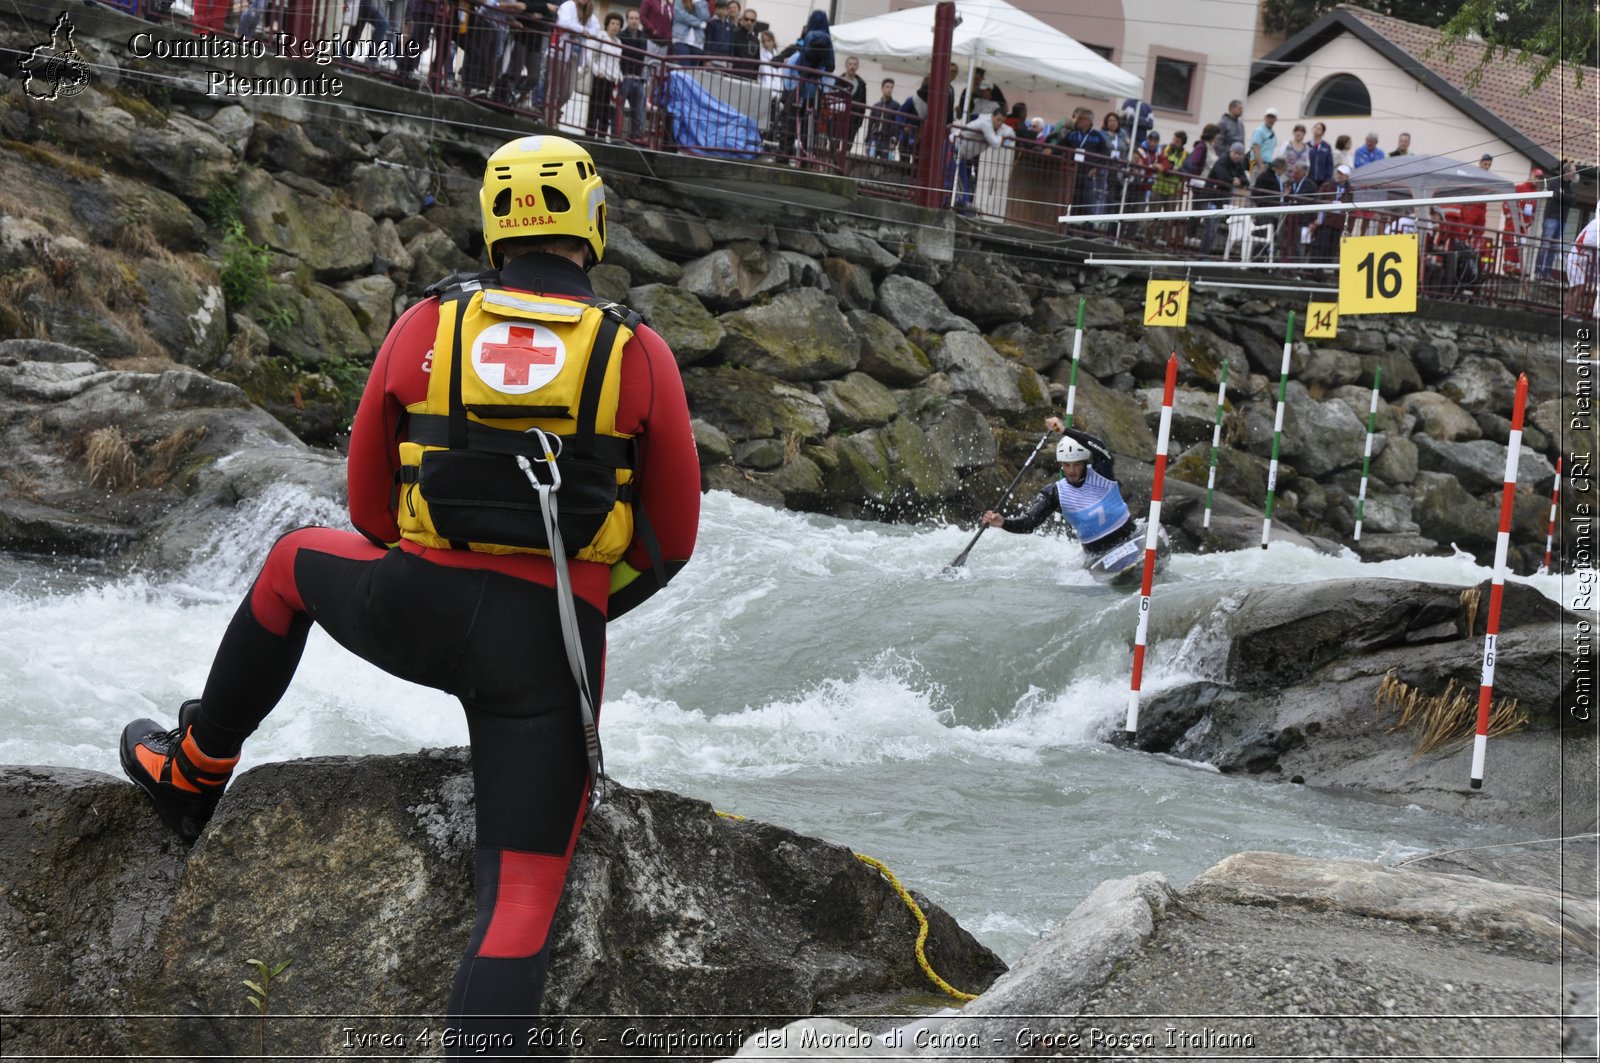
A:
x: 1216, y: 442
x: 1152, y: 536
x: 1480, y: 740
x: 1555, y: 504
x: 1277, y: 431
x: 1366, y: 459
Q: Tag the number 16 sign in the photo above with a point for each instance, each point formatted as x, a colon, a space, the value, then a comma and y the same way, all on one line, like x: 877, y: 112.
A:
x: 1378, y: 275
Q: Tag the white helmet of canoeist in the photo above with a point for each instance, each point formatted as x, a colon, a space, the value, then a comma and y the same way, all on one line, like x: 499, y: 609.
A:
x: 1070, y: 450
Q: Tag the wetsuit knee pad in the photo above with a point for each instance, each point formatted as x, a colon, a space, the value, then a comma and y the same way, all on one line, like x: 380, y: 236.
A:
x: 517, y: 893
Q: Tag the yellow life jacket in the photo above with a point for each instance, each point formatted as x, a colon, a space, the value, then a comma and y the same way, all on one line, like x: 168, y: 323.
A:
x: 505, y: 362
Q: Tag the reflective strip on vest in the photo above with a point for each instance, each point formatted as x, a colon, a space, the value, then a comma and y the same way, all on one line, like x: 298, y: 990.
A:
x: 1095, y: 509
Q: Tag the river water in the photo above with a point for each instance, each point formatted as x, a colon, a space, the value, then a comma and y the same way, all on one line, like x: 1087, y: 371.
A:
x: 822, y: 674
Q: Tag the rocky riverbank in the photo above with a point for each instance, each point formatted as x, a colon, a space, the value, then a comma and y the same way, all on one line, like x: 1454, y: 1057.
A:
x: 872, y: 362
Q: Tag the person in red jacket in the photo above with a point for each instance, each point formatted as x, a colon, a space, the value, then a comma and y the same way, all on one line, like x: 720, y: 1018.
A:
x: 439, y: 586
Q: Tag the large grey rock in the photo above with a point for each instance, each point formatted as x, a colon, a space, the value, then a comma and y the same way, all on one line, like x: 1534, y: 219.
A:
x: 851, y: 283
x: 185, y: 156
x: 961, y: 435
x: 1039, y: 351
x: 1114, y: 417
x: 909, y: 303
x: 886, y: 354
x: 681, y: 319
x: 750, y: 405
x: 669, y: 909
x: 1328, y: 368
x: 435, y: 256
x: 286, y: 146
x: 894, y: 468
x: 387, y: 191
x: 799, y: 335
x: 856, y: 401
x: 371, y: 300
x: 1398, y: 464
x: 1194, y: 415
x: 1468, y: 907
x: 184, y: 310
x: 680, y: 235
x: 1441, y: 418
x: 1319, y: 437
x: 335, y: 241
x: 157, y: 434
x: 1481, y: 384
x: 1398, y: 376
x: 317, y: 324
x: 1201, y: 355
x: 734, y: 275
x: 977, y: 371
x: 860, y: 249
x: 1479, y: 465
x: 233, y: 124
x: 984, y: 296
x: 1435, y: 357
x: 114, y: 203
x: 632, y: 254
x: 711, y: 442
x: 1448, y: 514
x: 1059, y: 975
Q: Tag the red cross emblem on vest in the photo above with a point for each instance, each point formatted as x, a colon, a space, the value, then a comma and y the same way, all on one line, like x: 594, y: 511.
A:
x: 516, y: 355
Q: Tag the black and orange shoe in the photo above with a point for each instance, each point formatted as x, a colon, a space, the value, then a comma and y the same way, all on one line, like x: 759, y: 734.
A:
x: 183, y: 783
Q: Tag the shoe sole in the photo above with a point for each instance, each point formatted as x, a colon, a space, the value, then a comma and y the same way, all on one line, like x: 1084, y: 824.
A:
x: 176, y: 813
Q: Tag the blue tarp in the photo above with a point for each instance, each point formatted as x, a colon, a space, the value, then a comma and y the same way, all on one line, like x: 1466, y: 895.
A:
x: 704, y: 125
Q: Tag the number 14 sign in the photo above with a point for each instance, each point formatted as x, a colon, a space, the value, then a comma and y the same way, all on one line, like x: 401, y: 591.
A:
x: 1378, y: 275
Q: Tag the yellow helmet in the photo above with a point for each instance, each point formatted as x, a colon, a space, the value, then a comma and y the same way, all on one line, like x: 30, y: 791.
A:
x: 542, y: 186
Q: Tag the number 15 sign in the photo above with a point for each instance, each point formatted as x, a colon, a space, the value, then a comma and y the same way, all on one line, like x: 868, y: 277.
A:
x: 1378, y: 275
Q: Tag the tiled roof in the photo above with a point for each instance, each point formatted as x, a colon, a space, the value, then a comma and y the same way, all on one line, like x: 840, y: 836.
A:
x: 1557, y: 120
x: 1558, y: 116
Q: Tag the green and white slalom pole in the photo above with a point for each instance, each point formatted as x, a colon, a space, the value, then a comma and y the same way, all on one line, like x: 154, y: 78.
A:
x: 1366, y: 458
x: 1277, y: 431
x: 1152, y: 543
x: 1077, y: 349
x: 1502, y: 544
x: 1216, y: 443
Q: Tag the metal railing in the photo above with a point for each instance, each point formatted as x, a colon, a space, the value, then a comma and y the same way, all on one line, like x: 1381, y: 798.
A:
x: 726, y: 107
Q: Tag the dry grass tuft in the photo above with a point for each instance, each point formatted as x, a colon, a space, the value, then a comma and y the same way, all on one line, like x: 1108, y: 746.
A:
x: 163, y: 460
x: 1471, y: 598
x: 109, y: 459
x: 1444, y: 721
x: 791, y: 446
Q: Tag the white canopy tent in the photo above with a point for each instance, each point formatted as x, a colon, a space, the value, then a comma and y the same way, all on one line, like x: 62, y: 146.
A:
x: 1010, y: 44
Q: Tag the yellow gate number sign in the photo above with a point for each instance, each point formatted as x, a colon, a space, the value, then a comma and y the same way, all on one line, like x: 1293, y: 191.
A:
x: 1378, y: 275
x: 1322, y: 321
x: 1166, y: 303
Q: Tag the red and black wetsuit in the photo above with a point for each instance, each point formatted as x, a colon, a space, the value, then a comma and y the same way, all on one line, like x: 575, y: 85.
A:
x: 483, y: 627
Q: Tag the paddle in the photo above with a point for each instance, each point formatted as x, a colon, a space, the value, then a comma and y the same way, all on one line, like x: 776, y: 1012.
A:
x: 962, y: 558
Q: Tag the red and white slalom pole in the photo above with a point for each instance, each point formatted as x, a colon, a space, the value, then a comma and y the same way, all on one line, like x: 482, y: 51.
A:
x: 1491, y: 635
x: 1555, y: 504
x: 1152, y: 536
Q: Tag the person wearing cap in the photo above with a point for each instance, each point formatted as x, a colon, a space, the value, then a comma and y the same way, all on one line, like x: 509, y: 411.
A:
x: 1329, y: 225
x: 1368, y: 152
x: 1270, y: 184
x: 1401, y: 146
x: 1264, y: 142
x: 1486, y: 161
x: 1229, y: 177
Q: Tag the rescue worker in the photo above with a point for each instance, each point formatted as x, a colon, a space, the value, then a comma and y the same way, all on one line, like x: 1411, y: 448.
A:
x: 521, y: 470
x: 1087, y: 496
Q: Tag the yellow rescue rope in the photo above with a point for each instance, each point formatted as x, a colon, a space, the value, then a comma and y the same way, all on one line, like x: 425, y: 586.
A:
x: 916, y: 912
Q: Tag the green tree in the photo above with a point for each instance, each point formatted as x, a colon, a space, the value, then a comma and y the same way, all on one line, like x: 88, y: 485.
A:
x: 1541, y: 33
